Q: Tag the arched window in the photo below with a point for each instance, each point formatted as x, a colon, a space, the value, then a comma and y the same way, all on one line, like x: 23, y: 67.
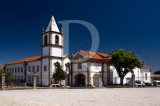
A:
x: 45, y: 40
x: 57, y: 40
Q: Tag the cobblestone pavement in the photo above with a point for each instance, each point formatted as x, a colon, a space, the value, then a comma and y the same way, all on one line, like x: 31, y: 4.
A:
x: 82, y: 97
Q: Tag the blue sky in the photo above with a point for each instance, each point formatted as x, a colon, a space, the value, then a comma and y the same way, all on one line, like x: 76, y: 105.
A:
x: 122, y: 24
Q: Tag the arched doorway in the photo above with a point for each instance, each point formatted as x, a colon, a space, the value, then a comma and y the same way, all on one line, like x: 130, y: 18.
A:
x: 96, y: 80
x: 80, y: 79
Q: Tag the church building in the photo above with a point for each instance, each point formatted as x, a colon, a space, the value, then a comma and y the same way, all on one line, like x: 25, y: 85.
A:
x: 84, y: 67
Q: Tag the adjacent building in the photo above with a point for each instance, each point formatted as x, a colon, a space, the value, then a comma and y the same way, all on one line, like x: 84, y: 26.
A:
x: 1, y: 67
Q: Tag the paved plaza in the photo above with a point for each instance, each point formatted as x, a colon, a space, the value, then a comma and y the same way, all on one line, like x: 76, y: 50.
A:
x: 82, y: 97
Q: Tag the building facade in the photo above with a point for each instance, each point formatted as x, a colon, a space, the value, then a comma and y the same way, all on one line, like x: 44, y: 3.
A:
x: 84, y: 67
x: 1, y: 67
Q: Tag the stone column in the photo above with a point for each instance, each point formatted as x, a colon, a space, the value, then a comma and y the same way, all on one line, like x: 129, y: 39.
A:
x: 102, y: 76
x: 89, y: 73
x: 100, y: 80
x: 34, y: 81
x: 133, y: 80
x: 66, y: 80
x: 25, y: 73
x: 3, y: 81
x: 108, y: 73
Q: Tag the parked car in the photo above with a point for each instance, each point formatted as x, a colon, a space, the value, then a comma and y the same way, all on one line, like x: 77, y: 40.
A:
x: 56, y: 85
x: 76, y: 85
x: 139, y: 83
x: 156, y: 83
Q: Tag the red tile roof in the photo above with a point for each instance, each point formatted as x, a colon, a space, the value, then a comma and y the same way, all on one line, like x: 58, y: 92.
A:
x: 146, y: 67
x: 95, y: 55
x: 26, y: 59
x: 1, y: 67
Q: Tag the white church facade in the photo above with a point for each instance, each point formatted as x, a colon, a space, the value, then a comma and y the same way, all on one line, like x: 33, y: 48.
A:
x: 84, y: 67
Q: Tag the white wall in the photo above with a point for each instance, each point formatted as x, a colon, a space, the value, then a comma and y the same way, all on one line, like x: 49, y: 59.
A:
x: 45, y: 74
x: 146, y: 71
x: 96, y: 67
x: 20, y: 74
x: 13, y: 66
x: 56, y: 51
x: 66, y: 60
x: 31, y: 73
x: 45, y: 51
x: 139, y: 75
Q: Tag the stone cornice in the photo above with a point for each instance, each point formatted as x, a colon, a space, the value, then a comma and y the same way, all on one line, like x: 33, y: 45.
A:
x: 51, y: 57
x: 83, y: 60
x: 52, y: 32
x: 52, y: 45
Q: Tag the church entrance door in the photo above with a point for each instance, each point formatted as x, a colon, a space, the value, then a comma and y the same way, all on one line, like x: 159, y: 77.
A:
x: 80, y: 79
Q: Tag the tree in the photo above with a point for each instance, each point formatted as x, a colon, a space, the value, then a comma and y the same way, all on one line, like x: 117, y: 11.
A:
x: 59, y: 74
x: 8, y: 75
x: 157, y: 72
x: 124, y: 62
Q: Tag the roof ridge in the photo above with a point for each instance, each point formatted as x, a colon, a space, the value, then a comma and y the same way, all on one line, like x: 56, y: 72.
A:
x: 25, y: 59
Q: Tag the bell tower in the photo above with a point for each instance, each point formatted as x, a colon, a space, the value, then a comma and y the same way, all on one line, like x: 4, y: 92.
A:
x: 51, y: 51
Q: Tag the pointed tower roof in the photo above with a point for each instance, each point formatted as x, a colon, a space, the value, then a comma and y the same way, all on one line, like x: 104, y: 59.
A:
x: 52, y: 26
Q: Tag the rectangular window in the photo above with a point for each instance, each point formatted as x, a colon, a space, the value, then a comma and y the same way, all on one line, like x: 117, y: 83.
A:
x: 45, y: 68
x: 29, y: 69
x: 33, y: 69
x: 18, y: 69
x: 15, y: 69
x: 37, y: 68
x: 12, y: 70
x: 145, y: 76
x: 79, y: 66
x: 22, y: 69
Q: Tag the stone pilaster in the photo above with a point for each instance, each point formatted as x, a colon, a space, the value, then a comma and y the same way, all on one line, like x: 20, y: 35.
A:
x: 108, y: 73
x: 3, y: 81
x: 89, y: 73
x: 25, y: 72
x: 34, y: 81
x: 71, y: 74
x: 62, y: 47
x: 102, y: 74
